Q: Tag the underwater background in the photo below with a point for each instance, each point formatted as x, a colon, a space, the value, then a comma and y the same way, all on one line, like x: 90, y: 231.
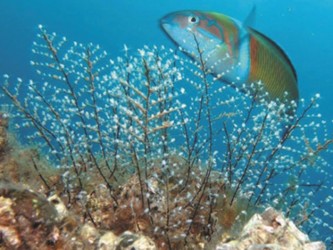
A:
x: 303, y: 28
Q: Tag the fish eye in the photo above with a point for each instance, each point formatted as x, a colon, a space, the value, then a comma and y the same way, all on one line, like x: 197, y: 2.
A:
x: 193, y: 19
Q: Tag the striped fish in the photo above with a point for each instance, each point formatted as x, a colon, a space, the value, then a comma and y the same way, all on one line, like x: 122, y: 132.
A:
x: 234, y: 52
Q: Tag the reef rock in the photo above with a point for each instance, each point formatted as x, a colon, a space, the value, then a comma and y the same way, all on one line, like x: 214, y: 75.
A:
x: 27, y: 220
x: 271, y: 231
x: 125, y: 241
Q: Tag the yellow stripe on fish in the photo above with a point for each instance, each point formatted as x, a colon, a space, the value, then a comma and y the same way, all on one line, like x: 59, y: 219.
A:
x: 235, y: 53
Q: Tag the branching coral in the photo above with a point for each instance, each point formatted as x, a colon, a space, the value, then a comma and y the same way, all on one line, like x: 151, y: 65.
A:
x: 176, y: 154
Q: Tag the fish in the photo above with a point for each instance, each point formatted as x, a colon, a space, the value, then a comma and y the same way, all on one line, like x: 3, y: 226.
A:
x: 235, y: 53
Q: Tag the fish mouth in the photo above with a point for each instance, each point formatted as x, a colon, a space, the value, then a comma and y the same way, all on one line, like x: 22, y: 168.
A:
x: 165, y: 24
x: 166, y: 27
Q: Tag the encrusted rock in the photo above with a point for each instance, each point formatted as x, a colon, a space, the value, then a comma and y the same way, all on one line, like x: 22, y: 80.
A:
x: 317, y: 245
x: 126, y: 241
x: 89, y: 233
x: 59, y: 206
x: 27, y: 220
x: 271, y: 231
x: 266, y: 247
x: 226, y: 246
x: 7, y: 218
x: 107, y: 241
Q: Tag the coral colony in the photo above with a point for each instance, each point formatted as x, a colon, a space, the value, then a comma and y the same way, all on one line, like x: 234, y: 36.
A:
x: 150, y: 142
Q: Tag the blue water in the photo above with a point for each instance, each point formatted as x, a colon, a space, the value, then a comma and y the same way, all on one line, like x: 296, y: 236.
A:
x: 302, y: 28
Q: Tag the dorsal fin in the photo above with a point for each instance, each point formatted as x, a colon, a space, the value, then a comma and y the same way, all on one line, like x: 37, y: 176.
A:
x: 250, y: 19
x: 277, y: 47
